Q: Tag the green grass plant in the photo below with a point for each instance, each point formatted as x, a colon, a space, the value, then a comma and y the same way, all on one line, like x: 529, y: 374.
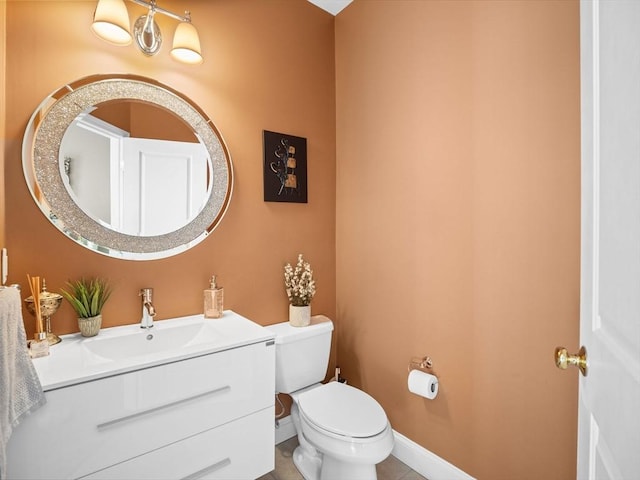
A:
x: 87, y: 297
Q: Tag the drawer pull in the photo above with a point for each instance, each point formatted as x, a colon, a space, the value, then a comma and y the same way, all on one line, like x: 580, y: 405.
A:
x: 209, y: 469
x: 160, y: 408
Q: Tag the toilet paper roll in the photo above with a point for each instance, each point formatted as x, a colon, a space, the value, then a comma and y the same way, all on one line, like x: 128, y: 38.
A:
x: 423, y: 384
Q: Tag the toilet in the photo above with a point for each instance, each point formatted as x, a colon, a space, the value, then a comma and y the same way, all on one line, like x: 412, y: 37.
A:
x: 342, y: 431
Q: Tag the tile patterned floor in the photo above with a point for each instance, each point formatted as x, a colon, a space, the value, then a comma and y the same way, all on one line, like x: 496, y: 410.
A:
x: 390, y: 469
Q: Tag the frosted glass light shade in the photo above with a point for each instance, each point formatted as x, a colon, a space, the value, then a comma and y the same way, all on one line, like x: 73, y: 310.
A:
x: 186, y: 44
x: 111, y: 22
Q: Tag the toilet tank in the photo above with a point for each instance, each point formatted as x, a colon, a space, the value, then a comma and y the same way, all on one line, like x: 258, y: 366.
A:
x: 302, y: 353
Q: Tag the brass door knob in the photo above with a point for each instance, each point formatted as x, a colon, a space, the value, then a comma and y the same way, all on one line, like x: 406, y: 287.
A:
x: 564, y: 359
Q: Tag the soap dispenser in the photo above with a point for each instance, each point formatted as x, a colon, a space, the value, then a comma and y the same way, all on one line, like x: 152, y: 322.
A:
x: 213, y: 300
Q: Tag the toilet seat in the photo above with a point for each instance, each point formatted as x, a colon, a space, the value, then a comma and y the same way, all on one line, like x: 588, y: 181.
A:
x: 342, y: 410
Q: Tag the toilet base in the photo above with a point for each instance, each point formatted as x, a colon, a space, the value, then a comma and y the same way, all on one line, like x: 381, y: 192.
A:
x: 308, y: 465
x: 332, y: 469
x: 322, y: 467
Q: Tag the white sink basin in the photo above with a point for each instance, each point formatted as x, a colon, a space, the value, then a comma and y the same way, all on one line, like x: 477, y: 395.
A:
x: 128, y: 348
x: 156, y: 340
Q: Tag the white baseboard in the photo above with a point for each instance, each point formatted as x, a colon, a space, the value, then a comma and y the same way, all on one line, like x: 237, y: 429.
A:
x: 285, y: 429
x: 424, y: 462
x: 415, y: 456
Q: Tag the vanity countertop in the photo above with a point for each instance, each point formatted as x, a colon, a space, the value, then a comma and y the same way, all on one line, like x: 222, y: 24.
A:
x: 121, y: 349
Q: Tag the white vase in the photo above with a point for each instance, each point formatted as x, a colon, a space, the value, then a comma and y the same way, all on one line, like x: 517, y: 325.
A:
x: 299, y: 316
x: 89, y: 327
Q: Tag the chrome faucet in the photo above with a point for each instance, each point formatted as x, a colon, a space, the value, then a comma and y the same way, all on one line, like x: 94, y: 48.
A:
x: 148, y: 310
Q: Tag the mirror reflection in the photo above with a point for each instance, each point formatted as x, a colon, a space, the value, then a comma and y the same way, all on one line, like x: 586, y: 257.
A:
x: 135, y: 168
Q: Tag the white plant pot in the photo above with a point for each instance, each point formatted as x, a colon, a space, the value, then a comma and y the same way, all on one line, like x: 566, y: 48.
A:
x: 89, y: 327
x: 299, y: 316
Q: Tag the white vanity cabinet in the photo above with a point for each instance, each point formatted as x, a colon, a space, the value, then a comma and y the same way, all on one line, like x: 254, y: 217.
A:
x: 209, y: 416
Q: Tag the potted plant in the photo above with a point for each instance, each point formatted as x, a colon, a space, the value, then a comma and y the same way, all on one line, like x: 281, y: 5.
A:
x: 301, y: 287
x: 87, y: 297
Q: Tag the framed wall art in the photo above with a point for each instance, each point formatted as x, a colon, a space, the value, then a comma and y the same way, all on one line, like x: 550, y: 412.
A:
x: 285, y: 168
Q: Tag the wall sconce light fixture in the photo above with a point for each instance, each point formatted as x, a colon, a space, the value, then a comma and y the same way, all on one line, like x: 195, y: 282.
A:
x: 111, y: 23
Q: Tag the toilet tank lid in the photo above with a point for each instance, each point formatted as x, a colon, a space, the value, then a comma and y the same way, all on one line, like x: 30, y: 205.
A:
x: 285, y: 333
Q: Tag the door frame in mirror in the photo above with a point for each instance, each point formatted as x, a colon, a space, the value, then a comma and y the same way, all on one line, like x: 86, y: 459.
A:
x: 40, y: 160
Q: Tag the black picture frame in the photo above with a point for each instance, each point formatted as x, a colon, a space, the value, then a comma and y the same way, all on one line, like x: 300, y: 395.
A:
x: 284, y: 167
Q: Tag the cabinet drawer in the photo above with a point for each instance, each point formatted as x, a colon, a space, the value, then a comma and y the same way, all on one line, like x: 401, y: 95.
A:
x: 85, y: 428
x: 242, y: 449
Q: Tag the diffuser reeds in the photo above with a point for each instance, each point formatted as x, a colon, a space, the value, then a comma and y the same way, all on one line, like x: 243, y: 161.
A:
x: 34, y: 285
x: 39, y: 347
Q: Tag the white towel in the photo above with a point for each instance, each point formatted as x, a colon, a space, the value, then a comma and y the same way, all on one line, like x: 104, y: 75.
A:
x: 20, y: 389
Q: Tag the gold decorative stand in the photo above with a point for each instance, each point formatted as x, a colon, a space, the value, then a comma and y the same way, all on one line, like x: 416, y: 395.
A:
x: 49, y: 304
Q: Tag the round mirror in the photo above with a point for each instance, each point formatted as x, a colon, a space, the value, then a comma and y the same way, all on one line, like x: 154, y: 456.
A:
x: 127, y: 167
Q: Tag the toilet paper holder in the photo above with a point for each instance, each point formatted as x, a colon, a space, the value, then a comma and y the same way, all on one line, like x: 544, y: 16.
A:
x: 424, y: 363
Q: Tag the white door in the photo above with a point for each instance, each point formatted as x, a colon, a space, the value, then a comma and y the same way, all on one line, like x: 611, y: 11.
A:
x: 609, y: 399
x: 164, y: 185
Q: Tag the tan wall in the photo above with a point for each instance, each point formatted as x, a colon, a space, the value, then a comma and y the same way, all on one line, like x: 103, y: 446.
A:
x: 143, y: 120
x: 268, y: 65
x: 3, y: 17
x: 458, y: 190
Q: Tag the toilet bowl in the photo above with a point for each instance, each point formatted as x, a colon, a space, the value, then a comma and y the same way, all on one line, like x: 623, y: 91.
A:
x: 347, y: 427
x: 342, y: 431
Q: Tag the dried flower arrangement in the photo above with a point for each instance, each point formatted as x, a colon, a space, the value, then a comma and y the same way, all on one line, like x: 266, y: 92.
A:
x: 299, y: 283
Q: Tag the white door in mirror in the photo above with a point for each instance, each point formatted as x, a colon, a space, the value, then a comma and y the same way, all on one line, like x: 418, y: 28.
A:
x: 164, y: 185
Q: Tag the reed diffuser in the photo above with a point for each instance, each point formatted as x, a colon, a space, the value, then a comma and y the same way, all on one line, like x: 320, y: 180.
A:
x: 39, y: 346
